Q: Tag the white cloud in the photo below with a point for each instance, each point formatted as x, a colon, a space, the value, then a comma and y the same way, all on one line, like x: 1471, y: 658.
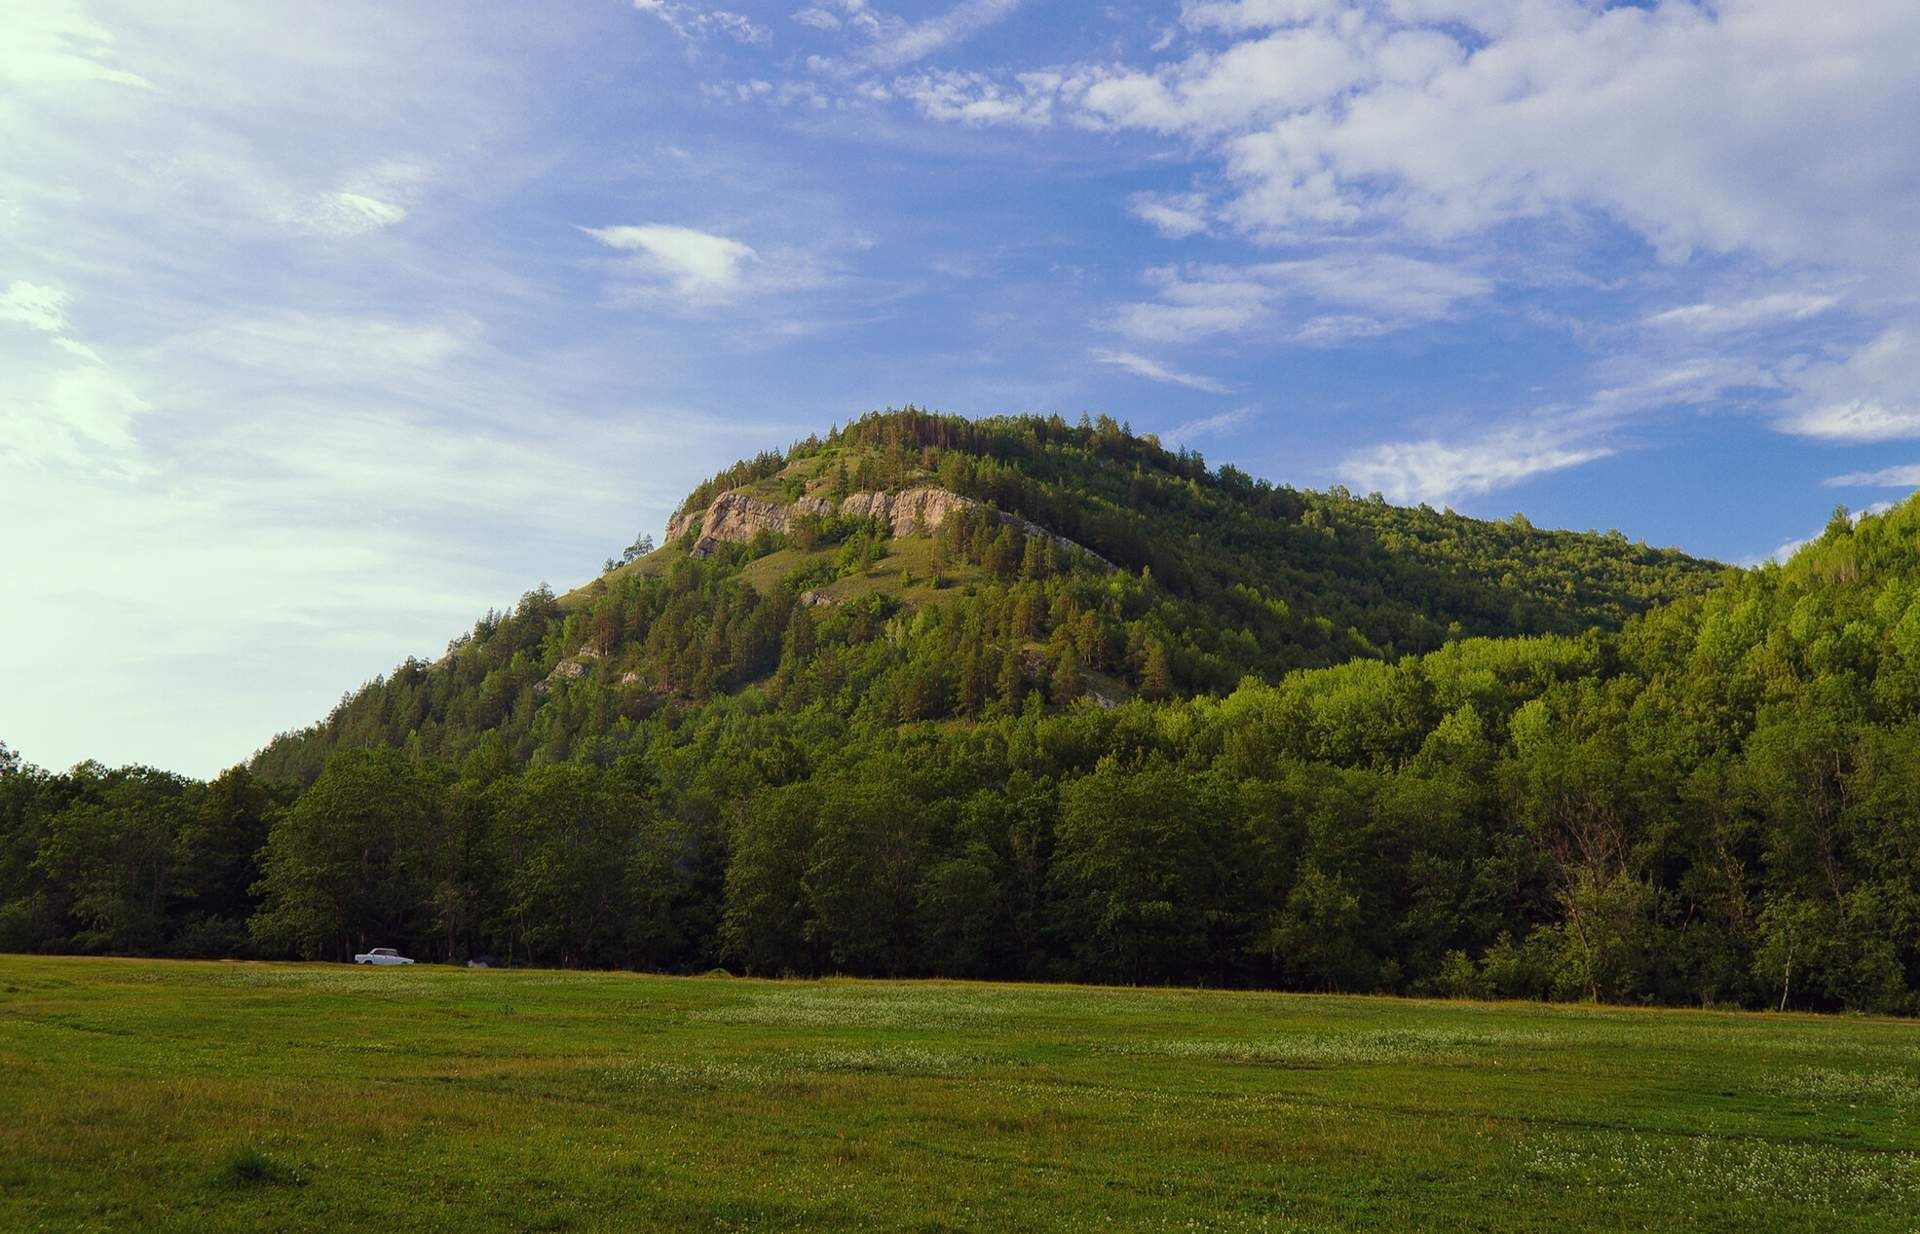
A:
x: 1196, y: 305
x: 1771, y: 309
x: 1153, y: 370
x: 1739, y: 127
x: 1871, y: 395
x: 350, y: 214
x: 46, y: 45
x: 696, y: 265
x: 1174, y: 215
x: 1906, y: 475
x: 973, y: 98
x: 1220, y: 425
x: 1367, y: 292
x: 889, y: 42
x: 1397, y: 286
x: 1333, y: 329
x: 1236, y: 15
x: 78, y: 349
x: 1863, y: 419
x: 35, y: 306
x: 1210, y: 93
x: 330, y: 349
x: 902, y: 43
x: 1722, y: 127
x: 1436, y: 471
x: 79, y: 418
x: 690, y: 21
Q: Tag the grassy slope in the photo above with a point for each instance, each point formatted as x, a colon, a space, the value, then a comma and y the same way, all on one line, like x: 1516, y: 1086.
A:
x: 448, y: 1099
x: 906, y: 555
x: 911, y: 553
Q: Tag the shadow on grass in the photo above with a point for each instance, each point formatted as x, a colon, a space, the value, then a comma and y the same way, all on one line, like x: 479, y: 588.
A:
x: 249, y: 1168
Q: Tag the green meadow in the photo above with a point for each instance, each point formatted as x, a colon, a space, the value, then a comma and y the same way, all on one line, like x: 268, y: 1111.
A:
x: 217, y: 1096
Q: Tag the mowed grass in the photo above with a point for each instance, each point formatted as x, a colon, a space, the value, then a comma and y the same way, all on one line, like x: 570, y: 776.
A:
x: 183, y: 1096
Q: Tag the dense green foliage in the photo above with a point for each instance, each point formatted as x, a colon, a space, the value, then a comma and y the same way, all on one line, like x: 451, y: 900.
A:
x: 1031, y: 775
x: 298, y: 1097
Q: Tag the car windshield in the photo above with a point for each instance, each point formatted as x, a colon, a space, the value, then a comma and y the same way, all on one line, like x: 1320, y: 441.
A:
x: 383, y: 951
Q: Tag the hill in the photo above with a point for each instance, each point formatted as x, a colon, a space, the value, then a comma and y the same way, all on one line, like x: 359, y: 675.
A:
x: 1107, y: 759
x: 917, y: 567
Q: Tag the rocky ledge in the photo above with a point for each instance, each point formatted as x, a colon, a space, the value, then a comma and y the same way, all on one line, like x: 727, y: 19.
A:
x: 736, y: 518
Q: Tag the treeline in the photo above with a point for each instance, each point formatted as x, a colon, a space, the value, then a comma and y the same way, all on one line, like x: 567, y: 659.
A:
x: 1720, y: 805
x: 132, y: 861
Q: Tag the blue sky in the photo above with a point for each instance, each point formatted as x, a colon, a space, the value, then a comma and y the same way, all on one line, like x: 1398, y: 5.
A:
x: 323, y: 327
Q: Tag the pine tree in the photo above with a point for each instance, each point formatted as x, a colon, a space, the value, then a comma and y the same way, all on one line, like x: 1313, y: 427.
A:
x: 1064, y: 686
x: 973, y: 680
x: 1029, y: 610
x: 1012, y: 684
x: 800, y: 639
x: 1156, y: 678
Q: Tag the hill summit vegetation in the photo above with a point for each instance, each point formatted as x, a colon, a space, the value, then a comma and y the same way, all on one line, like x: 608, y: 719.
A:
x: 1028, y: 699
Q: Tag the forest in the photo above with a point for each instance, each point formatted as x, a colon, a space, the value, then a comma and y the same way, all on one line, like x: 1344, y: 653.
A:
x: 1251, y: 736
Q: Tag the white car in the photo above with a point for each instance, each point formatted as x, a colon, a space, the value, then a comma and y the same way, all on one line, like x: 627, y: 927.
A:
x: 381, y: 955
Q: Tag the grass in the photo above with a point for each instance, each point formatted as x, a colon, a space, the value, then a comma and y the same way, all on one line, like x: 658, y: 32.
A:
x: 184, y: 1096
x: 906, y: 555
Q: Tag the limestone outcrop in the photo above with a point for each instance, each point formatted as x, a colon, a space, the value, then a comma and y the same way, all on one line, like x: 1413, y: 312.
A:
x: 735, y: 518
x: 903, y: 512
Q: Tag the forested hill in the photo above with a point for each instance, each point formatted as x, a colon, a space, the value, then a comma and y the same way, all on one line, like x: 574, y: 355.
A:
x: 915, y: 567
x: 1718, y: 803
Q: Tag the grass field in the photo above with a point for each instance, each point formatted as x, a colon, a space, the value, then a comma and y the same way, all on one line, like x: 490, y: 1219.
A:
x: 181, y: 1096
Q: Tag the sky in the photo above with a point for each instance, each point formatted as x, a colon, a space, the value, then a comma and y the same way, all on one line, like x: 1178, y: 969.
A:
x: 323, y: 328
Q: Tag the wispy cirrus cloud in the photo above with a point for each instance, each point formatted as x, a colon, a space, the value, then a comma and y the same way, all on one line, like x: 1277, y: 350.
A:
x: 34, y: 306
x: 1224, y: 424
x: 692, y: 22
x: 1904, y: 475
x: 883, y: 42
x: 1435, y: 470
x: 698, y: 266
x: 1722, y: 318
x: 897, y: 42
x: 1153, y: 370
x: 1320, y: 300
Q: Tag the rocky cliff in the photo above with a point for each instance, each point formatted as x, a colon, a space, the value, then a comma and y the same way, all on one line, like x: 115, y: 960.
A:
x: 736, y: 518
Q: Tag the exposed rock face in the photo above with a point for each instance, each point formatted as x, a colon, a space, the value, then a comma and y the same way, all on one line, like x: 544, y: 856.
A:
x: 733, y: 517
x: 566, y: 670
x: 926, y: 507
x: 736, y: 518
